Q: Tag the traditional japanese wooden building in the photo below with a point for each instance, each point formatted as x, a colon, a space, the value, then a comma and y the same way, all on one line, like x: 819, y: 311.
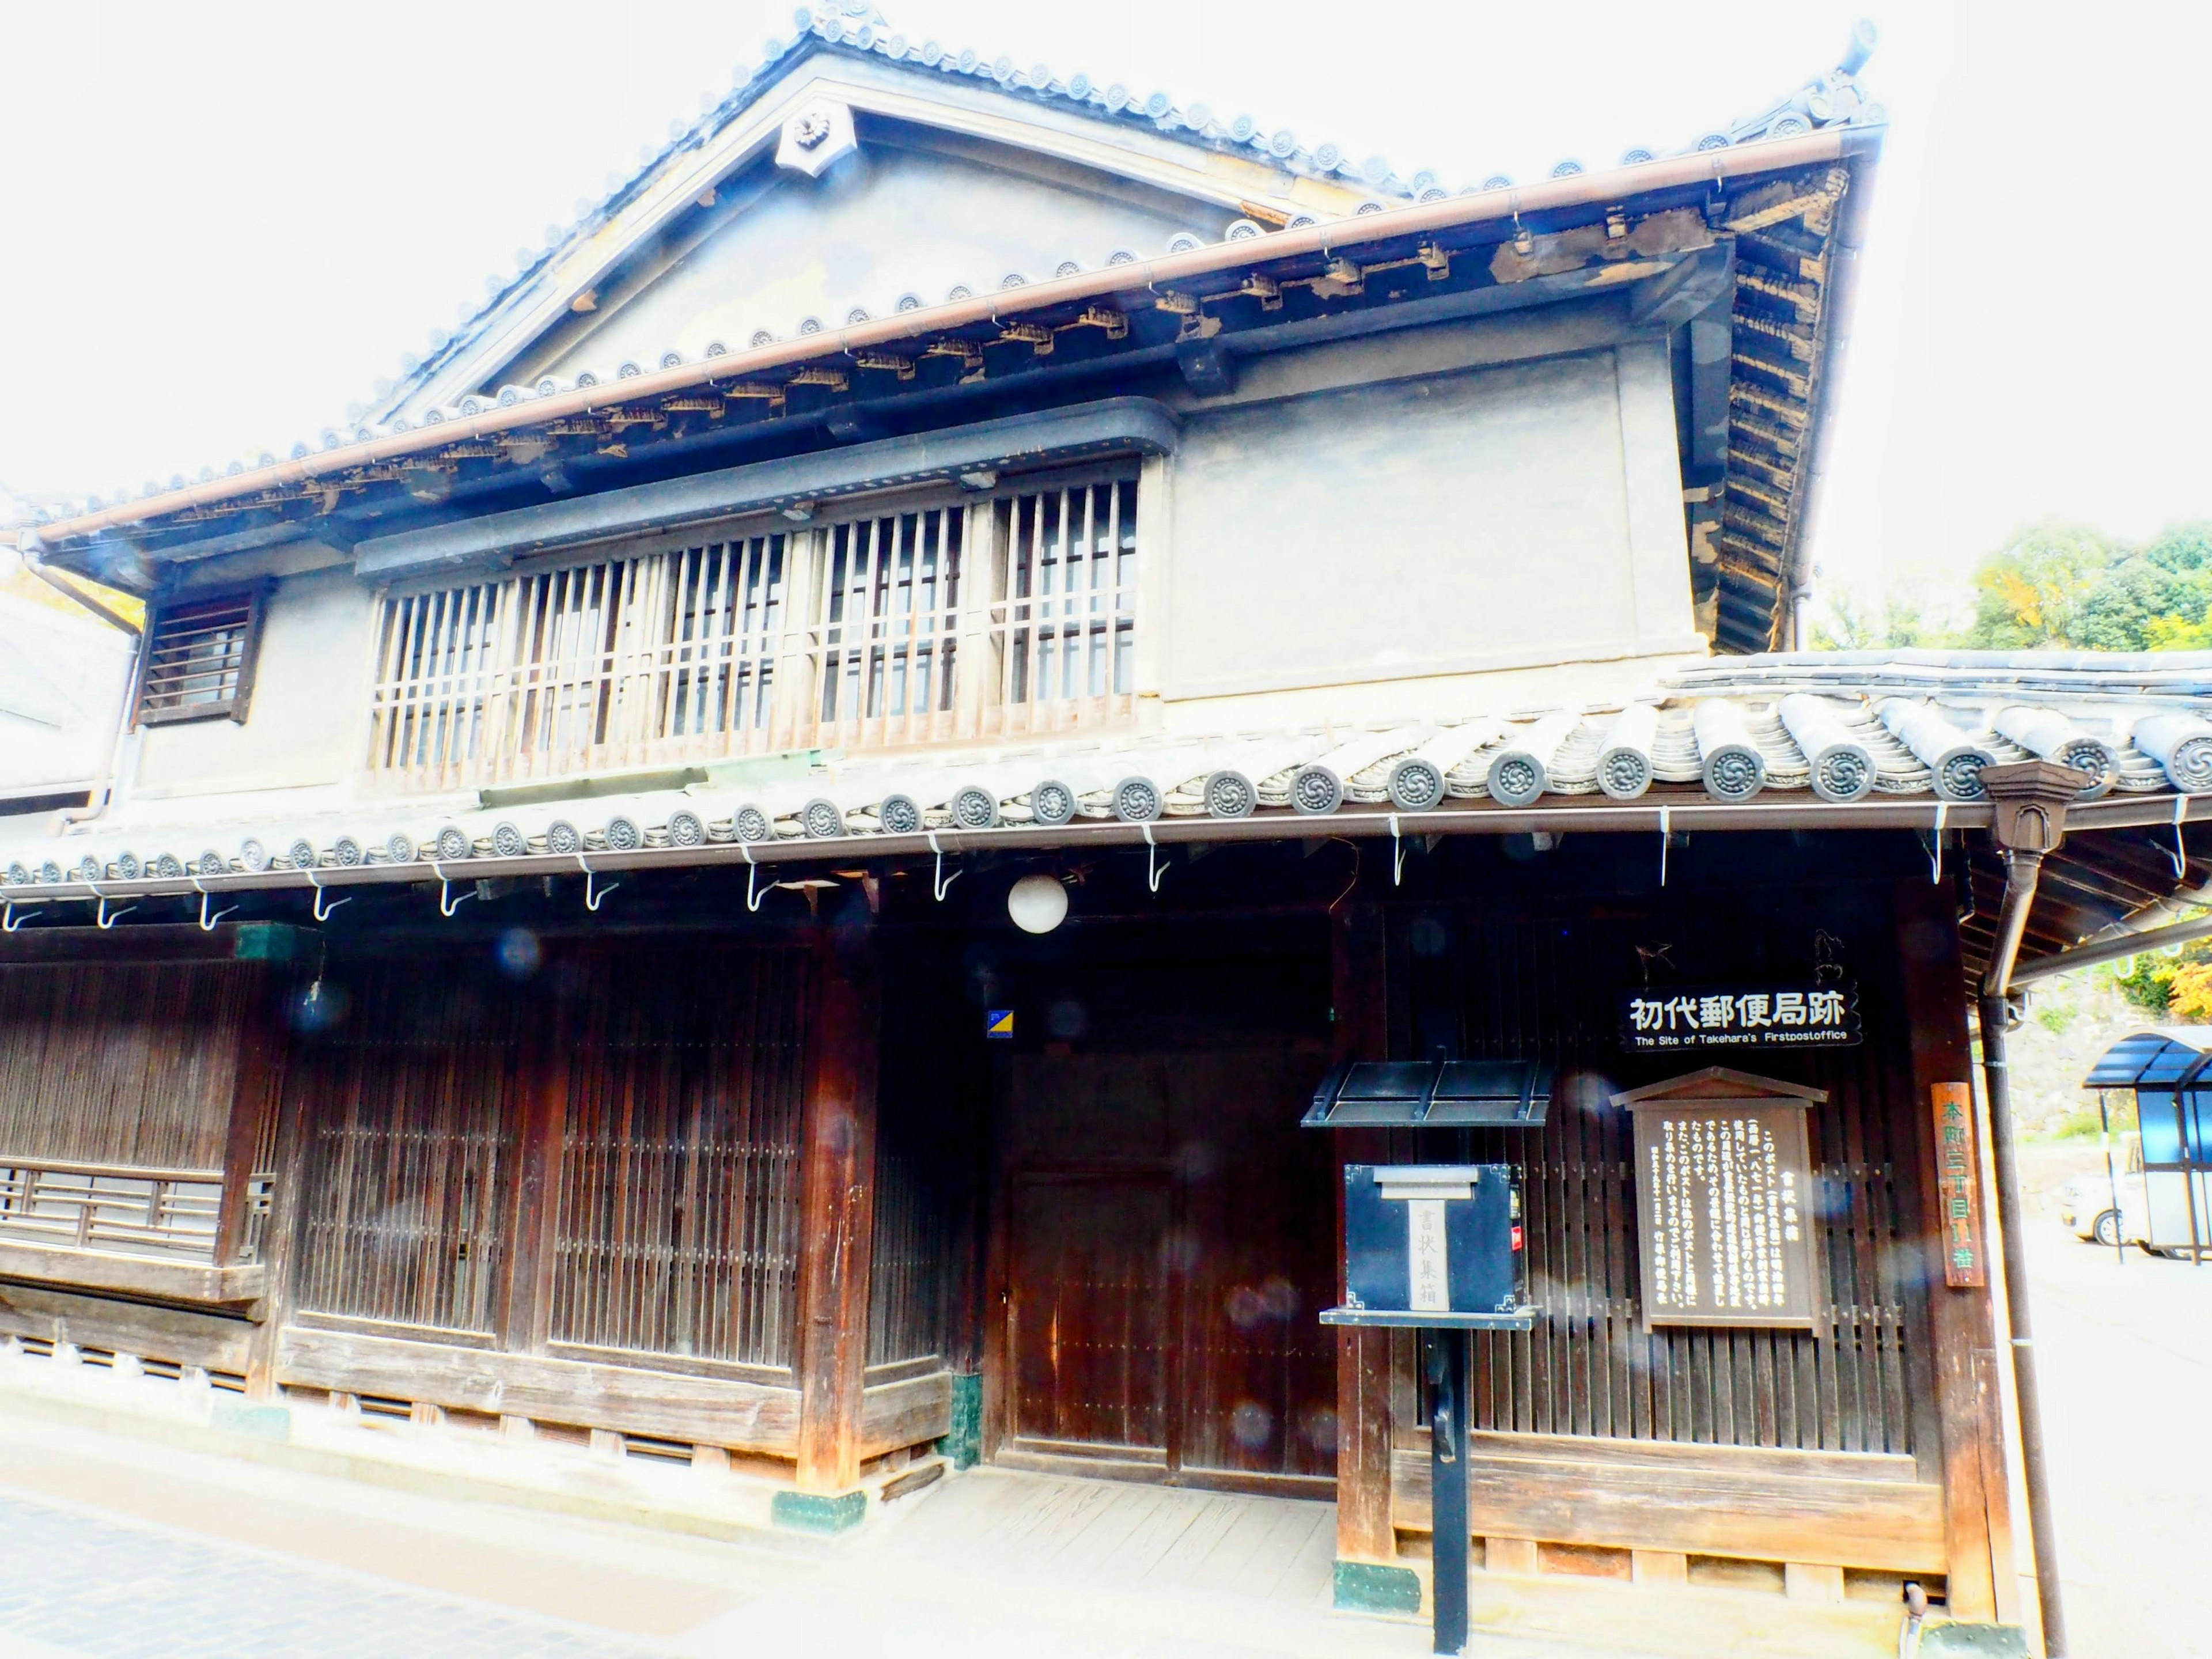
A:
x: 544, y: 957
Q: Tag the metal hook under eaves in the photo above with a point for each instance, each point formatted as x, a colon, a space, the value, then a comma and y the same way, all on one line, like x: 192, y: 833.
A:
x: 108, y: 918
x: 324, y: 903
x: 8, y: 922
x: 753, y: 896
x: 2180, y: 849
x: 595, y: 896
x: 1936, y: 856
x: 207, y: 923
x: 1397, y: 855
x: 447, y: 903
x: 1153, y: 868
x: 941, y: 883
x: 1663, y: 833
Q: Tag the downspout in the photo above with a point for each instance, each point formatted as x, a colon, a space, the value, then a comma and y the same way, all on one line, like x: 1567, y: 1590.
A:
x: 104, y: 778
x: 2029, y: 802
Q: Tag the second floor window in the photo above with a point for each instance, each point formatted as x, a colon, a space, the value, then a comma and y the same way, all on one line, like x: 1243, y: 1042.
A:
x: 923, y: 620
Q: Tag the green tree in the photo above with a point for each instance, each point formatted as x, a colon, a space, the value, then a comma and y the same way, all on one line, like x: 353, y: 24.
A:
x: 2030, y: 593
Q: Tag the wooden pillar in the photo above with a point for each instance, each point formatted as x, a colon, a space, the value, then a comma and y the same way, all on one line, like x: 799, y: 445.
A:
x: 837, y: 1211
x: 263, y: 1107
x: 558, y: 1029
x: 1358, y: 963
x: 1977, y: 1497
x: 256, y: 1082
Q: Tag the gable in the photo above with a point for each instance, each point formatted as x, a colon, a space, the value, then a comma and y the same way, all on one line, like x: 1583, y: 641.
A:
x: 909, y: 219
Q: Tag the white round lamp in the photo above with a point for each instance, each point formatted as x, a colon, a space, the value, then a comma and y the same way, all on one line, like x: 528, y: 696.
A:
x: 1037, y: 903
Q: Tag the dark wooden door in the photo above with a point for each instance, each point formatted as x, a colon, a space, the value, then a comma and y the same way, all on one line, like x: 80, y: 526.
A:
x: 1169, y: 1247
x: 1090, y: 1322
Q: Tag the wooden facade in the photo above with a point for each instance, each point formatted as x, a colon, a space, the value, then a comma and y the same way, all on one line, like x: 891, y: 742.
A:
x: 764, y: 1191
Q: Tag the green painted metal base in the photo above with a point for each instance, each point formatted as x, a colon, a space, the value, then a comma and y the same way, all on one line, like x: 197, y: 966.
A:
x: 2007, y: 1641
x: 1369, y: 1587
x: 963, y: 1446
x: 814, y: 1511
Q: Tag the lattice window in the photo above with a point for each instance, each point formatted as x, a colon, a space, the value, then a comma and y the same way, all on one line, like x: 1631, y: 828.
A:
x: 677, y: 1230
x: 199, y: 660
x: 888, y: 617
x: 656, y: 656
x: 1064, y: 612
x: 939, y: 617
x: 411, y: 1151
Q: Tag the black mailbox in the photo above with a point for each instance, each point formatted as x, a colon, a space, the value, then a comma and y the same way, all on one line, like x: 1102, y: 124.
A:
x: 1432, y: 1244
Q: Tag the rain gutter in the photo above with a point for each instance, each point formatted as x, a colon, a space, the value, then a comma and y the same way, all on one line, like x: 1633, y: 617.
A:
x: 1650, y: 817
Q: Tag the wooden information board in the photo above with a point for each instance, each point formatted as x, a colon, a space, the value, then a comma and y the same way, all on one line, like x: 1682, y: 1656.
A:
x: 1958, y: 1187
x: 1724, y: 1200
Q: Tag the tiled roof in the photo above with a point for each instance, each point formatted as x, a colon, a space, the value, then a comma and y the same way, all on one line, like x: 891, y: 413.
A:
x: 1866, y: 737
x: 853, y: 27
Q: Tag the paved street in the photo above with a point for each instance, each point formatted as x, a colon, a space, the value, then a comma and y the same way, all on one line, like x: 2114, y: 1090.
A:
x: 76, y: 1580
x: 116, y: 1546
x: 2125, y: 1346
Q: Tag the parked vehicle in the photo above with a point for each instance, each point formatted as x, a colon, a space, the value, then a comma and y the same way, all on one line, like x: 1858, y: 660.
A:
x: 2107, y: 1208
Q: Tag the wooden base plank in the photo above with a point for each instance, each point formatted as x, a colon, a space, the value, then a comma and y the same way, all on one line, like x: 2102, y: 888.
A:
x: 744, y: 1416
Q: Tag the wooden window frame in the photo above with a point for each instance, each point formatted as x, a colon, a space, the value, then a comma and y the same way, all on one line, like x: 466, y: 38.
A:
x: 232, y: 707
x: 829, y: 661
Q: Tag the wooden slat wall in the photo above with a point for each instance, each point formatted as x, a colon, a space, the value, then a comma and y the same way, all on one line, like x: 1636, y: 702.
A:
x: 1531, y: 989
x: 909, y: 1316
x: 120, y: 1065
x: 676, y: 1228
x: 412, y: 1112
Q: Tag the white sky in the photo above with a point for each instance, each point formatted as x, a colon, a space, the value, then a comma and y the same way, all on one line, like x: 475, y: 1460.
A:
x: 220, y: 224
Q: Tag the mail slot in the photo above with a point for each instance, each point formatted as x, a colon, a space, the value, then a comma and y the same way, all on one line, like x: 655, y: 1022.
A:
x: 1433, y: 1244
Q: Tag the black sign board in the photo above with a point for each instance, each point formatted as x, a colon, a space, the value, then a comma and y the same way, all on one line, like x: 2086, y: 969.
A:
x: 1724, y: 1201
x: 1430, y: 1244
x: 1667, y: 1020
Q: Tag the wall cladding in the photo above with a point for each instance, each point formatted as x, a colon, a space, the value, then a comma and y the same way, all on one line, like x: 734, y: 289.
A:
x: 1532, y: 988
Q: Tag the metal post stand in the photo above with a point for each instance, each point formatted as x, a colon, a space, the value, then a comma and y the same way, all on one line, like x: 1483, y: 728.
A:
x: 1445, y: 1351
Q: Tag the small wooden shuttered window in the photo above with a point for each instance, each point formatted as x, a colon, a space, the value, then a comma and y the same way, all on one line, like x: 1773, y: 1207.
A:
x: 198, y: 659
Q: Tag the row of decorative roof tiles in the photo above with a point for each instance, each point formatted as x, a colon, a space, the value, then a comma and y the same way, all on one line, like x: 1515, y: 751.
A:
x: 1831, y: 100
x: 857, y: 26
x: 1734, y: 748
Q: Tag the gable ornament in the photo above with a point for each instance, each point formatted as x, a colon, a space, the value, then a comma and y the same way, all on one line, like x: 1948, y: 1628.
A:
x: 816, y: 136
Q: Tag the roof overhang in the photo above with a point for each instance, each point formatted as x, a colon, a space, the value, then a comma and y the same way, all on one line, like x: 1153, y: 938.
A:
x: 1106, y: 320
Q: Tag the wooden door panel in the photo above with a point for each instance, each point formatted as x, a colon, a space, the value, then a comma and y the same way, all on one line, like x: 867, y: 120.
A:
x: 1090, y: 1315
x: 1073, y: 1109
x: 1259, y: 1383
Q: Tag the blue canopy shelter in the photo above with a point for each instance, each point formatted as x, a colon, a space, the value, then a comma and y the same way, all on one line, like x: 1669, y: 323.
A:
x: 2170, y: 1070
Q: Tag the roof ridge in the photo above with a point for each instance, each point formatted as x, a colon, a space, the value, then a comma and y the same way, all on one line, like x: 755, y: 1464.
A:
x: 857, y: 27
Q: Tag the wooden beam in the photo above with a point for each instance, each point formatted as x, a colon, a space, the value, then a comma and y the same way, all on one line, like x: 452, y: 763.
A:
x: 1977, y: 1506
x: 1358, y: 968
x: 525, y: 1320
x: 257, y: 1087
x: 634, y: 1400
x: 837, y: 1211
x: 134, y: 1275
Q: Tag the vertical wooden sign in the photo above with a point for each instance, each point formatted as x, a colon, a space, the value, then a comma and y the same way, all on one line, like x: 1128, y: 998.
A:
x: 1958, y: 1187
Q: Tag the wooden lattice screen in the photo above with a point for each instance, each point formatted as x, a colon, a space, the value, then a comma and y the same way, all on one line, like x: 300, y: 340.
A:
x: 412, y: 1112
x: 678, y: 1223
x: 1525, y: 990
x: 949, y: 618
x: 116, y: 1089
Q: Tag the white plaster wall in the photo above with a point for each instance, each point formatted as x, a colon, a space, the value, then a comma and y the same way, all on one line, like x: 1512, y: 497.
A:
x: 304, y: 724
x: 1488, y: 520
x: 886, y: 223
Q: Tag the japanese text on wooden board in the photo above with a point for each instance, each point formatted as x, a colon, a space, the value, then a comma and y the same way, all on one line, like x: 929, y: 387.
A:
x: 1959, y: 1187
x: 1722, y: 1198
x: 1773, y: 1016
